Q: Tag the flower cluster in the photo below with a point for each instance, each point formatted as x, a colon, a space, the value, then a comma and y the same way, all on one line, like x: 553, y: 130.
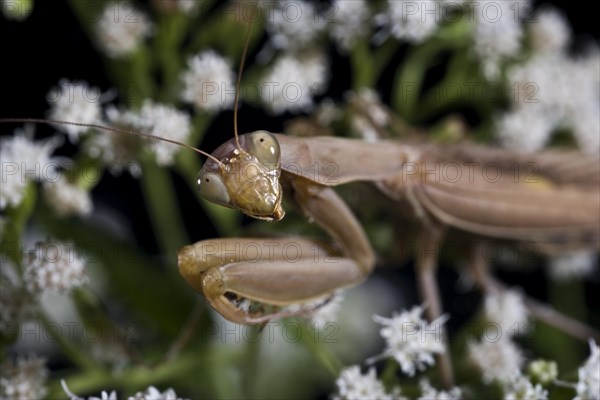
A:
x: 24, y: 378
x: 552, y: 90
x: 55, y: 267
x: 507, y: 310
x: 24, y: 160
x: 151, y: 393
x: 121, y: 28
x: 352, y: 384
x: 208, y: 82
x: 411, y: 340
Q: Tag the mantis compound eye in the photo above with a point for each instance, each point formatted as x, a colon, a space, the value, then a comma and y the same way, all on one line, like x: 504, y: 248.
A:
x: 265, y: 148
x: 212, y: 188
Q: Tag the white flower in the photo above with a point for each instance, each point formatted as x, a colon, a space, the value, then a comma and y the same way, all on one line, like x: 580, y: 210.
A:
x: 588, y: 386
x: 67, y: 199
x: 153, y: 393
x: 428, y: 392
x: 586, y: 127
x: 411, y: 340
x: 23, y: 379
x: 105, y: 396
x: 520, y: 388
x: 292, y: 82
x: 72, y: 396
x: 188, y: 6
x: 550, y: 30
x: 75, y: 102
x: 118, y: 151
x: 526, y: 128
x: 348, y: 22
x: 23, y: 160
x: 552, y: 91
x: 543, y: 371
x: 352, y: 385
x: 507, y: 310
x: 121, y: 28
x: 573, y: 265
x: 166, y: 122
x: 498, y: 32
x: 498, y: 360
x: 293, y: 24
x: 56, y: 267
x: 412, y: 21
x: 208, y: 82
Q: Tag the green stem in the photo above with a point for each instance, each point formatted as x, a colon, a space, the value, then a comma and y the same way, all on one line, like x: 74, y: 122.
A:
x: 362, y: 66
x: 324, y: 354
x: 159, y: 194
x: 12, y: 231
x: 133, y: 379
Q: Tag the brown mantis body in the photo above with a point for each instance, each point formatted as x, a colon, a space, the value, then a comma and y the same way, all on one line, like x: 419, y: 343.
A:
x: 556, y: 208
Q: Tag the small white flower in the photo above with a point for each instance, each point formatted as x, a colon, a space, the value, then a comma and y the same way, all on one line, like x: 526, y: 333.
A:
x: 586, y: 127
x: 543, y: 371
x: 520, y: 388
x: 507, y: 310
x: 23, y: 379
x: 352, y: 385
x: 293, y: 24
x: 428, y: 392
x: 412, y: 21
x: 23, y: 160
x: 67, y: 199
x: 498, y: 32
x: 121, y: 28
x: 411, y: 340
x: 75, y: 102
x: 105, y: 396
x: 550, y: 30
x: 573, y: 265
x: 188, y: 6
x: 167, y: 122
x: 56, y: 267
x: 348, y: 22
x: 527, y: 128
x: 72, y: 396
x: 292, y: 82
x: 552, y: 91
x: 153, y: 393
x: 499, y: 360
x: 588, y: 385
x: 208, y: 82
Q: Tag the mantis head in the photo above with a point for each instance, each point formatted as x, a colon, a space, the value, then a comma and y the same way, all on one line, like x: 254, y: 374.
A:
x: 246, y: 176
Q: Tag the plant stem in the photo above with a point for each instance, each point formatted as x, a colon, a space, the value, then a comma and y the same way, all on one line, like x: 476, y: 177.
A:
x: 160, y: 199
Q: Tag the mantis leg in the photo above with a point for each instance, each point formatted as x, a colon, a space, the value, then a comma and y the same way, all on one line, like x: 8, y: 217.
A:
x: 235, y: 274
x: 426, y: 260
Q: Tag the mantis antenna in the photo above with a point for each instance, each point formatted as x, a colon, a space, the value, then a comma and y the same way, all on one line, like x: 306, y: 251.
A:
x: 237, y: 87
x: 110, y: 129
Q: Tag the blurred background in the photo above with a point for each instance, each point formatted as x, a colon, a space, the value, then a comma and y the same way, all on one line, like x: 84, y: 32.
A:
x: 135, y: 288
